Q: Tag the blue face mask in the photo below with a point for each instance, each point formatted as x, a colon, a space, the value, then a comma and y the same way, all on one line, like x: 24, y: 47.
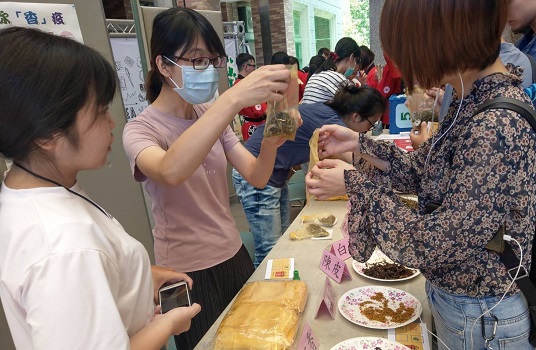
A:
x: 350, y: 71
x: 199, y: 86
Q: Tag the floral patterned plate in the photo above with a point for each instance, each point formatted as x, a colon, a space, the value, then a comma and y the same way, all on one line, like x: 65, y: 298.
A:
x: 378, y: 256
x: 349, y: 305
x: 369, y: 343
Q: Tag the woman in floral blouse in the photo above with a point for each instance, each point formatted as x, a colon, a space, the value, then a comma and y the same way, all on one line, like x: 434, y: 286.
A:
x: 480, y: 170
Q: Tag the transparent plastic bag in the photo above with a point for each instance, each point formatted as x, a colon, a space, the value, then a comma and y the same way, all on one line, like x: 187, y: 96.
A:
x: 264, y: 316
x: 282, y: 117
x: 308, y: 231
x: 420, y: 106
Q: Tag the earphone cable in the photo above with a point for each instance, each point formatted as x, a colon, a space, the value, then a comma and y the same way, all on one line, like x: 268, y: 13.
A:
x: 504, y: 294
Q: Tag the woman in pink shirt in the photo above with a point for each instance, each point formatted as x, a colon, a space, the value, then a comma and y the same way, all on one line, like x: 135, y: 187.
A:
x: 179, y: 148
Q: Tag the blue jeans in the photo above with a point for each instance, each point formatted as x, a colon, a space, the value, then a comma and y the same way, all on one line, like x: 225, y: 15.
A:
x: 267, y: 211
x: 454, y: 316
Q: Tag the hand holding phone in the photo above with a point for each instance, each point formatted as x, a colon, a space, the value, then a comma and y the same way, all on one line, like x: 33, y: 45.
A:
x: 174, y: 295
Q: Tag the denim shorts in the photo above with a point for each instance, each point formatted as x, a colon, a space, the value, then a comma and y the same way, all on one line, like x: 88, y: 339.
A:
x: 455, y: 316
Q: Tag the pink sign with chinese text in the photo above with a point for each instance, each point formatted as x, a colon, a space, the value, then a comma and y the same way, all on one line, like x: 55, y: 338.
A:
x: 341, y: 248
x: 328, y: 300
x: 334, y: 267
x: 308, y: 340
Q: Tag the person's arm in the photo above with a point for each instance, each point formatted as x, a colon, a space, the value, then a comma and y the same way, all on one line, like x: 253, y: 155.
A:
x: 256, y: 171
x: 379, y: 163
x: 402, y: 168
x: 173, y: 166
x: 481, y: 196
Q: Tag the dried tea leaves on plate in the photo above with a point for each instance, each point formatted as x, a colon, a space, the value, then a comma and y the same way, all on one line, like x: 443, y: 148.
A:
x: 308, y: 231
x: 387, y: 271
x: 326, y: 219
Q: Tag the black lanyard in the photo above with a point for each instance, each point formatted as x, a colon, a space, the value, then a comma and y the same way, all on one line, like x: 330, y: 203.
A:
x: 60, y: 185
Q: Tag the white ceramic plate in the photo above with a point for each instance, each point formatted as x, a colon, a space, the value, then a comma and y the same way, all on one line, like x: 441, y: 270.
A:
x: 349, y: 305
x: 369, y: 343
x: 378, y: 256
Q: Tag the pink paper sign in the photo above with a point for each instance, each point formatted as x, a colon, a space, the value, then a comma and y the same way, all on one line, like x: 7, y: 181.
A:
x: 341, y: 249
x: 328, y: 300
x: 308, y: 340
x: 334, y: 267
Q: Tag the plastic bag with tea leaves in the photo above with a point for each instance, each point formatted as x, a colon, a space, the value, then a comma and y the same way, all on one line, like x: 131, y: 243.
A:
x: 282, y: 117
x: 420, y: 106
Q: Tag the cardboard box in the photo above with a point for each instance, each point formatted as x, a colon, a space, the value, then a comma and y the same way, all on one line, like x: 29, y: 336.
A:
x: 399, y: 116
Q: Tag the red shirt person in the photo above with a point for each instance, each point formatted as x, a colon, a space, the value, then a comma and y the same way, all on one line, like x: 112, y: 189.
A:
x: 390, y: 83
x: 254, y: 115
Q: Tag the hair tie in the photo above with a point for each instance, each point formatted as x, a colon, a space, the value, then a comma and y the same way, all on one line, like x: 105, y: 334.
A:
x: 351, y: 87
x: 334, y: 56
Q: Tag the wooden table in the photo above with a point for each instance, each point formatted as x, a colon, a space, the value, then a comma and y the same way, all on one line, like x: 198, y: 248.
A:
x: 307, y: 255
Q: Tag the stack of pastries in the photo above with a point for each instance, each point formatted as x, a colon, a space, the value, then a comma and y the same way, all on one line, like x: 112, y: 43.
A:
x: 265, y: 315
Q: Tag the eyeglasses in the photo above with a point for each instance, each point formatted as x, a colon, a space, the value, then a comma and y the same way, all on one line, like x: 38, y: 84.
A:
x: 372, y: 125
x: 202, y: 63
x: 251, y: 65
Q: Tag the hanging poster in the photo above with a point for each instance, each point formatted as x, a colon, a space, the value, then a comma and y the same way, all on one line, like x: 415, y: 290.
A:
x: 59, y: 19
x: 232, y: 70
x: 129, y: 70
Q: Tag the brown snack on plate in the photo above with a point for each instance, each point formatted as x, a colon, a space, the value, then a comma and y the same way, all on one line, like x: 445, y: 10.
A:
x: 379, y: 310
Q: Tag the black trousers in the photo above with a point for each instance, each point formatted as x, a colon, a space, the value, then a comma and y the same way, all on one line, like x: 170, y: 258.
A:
x: 214, y: 288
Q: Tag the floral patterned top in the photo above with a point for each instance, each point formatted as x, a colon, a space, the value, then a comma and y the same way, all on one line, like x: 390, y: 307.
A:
x: 482, y: 170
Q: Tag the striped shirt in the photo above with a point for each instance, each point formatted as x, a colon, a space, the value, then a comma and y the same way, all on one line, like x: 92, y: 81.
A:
x: 322, y: 86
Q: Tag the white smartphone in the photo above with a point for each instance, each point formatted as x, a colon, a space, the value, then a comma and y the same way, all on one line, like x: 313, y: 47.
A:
x: 174, y: 295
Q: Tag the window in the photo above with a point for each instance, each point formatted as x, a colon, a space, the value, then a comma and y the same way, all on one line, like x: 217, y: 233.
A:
x: 297, y: 37
x: 322, y: 33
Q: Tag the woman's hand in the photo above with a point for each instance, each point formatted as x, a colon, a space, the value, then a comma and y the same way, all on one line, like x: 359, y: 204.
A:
x: 418, y: 135
x: 361, y: 76
x: 268, y: 83
x: 336, y: 139
x: 162, y: 275
x: 326, y: 179
x: 179, y: 319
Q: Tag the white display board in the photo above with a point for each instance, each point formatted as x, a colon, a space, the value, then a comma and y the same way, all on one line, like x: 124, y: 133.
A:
x: 59, y: 19
x: 131, y: 79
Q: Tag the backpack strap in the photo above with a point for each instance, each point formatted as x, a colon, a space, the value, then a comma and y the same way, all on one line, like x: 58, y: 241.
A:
x: 511, y: 104
x: 508, y: 256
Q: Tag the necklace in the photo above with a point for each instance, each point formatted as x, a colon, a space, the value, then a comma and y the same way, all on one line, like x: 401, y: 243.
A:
x: 67, y: 189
